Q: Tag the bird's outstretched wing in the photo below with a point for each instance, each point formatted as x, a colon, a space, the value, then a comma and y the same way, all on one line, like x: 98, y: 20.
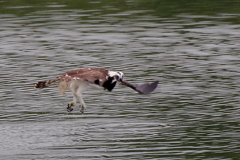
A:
x: 145, y: 88
x: 92, y: 75
x: 95, y: 76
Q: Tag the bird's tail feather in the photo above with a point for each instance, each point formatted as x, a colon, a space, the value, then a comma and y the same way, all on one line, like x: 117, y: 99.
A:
x: 43, y: 84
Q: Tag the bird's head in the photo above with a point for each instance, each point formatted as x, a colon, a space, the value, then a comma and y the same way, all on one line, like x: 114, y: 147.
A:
x: 118, y: 76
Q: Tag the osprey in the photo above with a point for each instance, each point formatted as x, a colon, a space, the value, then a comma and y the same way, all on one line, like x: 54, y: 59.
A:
x: 77, y: 81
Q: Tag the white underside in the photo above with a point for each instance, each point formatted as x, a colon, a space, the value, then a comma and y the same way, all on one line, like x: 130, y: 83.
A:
x: 77, y: 88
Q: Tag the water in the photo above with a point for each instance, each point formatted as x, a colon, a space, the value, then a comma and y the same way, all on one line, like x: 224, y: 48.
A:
x: 193, y: 114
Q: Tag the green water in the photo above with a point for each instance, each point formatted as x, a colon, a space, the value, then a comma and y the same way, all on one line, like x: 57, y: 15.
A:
x: 191, y: 47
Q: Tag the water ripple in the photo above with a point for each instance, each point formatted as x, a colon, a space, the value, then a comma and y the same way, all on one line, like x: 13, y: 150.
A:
x: 193, y: 114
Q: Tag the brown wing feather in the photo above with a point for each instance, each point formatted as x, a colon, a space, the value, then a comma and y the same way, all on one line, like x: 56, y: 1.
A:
x: 92, y: 75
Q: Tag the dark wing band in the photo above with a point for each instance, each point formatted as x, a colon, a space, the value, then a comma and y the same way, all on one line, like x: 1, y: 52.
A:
x: 145, y: 88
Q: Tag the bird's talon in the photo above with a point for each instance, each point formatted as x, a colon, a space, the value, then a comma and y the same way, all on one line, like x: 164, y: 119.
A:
x: 82, y: 108
x: 70, y: 107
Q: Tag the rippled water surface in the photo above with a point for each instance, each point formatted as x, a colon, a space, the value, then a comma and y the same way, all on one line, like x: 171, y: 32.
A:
x: 193, y: 114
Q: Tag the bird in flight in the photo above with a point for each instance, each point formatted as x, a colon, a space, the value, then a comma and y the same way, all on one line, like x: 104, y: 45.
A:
x: 78, y: 81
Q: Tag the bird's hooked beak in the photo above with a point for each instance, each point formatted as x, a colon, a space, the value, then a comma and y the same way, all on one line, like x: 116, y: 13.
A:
x: 119, y: 79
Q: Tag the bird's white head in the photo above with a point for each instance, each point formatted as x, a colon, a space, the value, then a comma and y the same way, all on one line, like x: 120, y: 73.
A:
x: 116, y: 75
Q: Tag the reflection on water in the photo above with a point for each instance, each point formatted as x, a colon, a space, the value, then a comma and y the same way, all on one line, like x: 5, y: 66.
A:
x: 193, y: 114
